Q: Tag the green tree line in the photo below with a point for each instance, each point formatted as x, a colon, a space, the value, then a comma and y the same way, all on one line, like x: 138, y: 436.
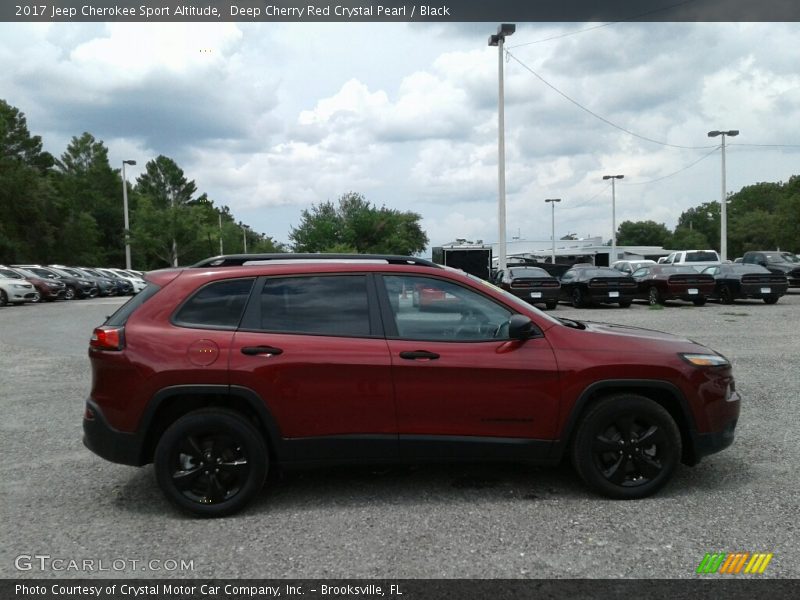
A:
x: 69, y: 210
x: 763, y: 216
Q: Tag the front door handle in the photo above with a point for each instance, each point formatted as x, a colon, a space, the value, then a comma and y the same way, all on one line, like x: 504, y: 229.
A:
x: 256, y: 350
x: 419, y: 355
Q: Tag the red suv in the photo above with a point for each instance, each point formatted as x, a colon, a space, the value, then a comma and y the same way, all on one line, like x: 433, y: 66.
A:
x: 220, y: 371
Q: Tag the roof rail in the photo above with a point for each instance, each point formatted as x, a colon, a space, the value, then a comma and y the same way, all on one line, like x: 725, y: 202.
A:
x: 237, y: 260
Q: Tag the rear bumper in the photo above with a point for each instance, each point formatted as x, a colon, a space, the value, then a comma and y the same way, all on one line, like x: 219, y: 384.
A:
x: 105, y: 441
x: 551, y: 294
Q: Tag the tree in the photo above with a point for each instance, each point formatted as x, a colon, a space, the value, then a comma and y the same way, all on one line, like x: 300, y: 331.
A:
x: 643, y: 233
x: 356, y: 226
x: 90, y: 199
x: 166, y: 216
x: 26, y: 229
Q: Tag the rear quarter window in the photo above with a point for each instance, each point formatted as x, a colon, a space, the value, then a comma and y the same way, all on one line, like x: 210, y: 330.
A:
x: 217, y: 305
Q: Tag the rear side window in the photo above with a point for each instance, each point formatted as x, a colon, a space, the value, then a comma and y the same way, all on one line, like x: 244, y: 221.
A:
x: 119, y: 318
x: 335, y: 305
x: 218, y: 305
x: 701, y: 256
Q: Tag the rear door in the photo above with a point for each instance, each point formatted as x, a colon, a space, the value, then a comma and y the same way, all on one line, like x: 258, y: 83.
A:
x: 312, y: 348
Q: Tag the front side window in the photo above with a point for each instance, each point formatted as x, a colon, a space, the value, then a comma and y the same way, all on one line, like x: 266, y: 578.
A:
x: 425, y: 308
x: 335, y: 305
x: 218, y: 305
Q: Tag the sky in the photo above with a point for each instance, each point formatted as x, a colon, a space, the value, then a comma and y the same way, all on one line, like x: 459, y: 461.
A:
x: 271, y: 118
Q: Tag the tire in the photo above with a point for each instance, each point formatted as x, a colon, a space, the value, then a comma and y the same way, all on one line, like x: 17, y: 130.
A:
x: 615, y: 426
x: 70, y: 293
x: 227, y: 441
x: 578, y: 299
x: 654, y: 296
x: 625, y: 303
x: 3, y: 298
x: 771, y: 299
x: 699, y: 301
x: 551, y: 304
x: 725, y: 295
x: 37, y: 298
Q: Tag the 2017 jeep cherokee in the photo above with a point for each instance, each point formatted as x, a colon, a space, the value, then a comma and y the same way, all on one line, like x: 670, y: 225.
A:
x: 218, y: 372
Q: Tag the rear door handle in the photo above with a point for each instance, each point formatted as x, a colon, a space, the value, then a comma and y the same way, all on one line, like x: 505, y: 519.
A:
x: 419, y: 355
x: 256, y: 350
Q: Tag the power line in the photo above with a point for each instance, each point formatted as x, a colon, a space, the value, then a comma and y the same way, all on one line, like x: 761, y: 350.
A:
x: 689, y: 166
x: 576, y: 32
x: 601, y: 118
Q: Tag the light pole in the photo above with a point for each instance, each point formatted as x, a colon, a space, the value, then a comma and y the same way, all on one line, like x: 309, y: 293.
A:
x: 125, y: 211
x: 221, y: 251
x: 503, y: 31
x: 613, y: 178
x: 552, y: 202
x: 723, y: 203
x: 244, y: 237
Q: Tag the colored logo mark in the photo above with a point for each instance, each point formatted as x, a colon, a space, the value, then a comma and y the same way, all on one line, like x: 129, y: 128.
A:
x: 735, y: 563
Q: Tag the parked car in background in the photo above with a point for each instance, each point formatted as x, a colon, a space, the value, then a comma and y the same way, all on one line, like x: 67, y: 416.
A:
x: 76, y: 286
x: 746, y: 281
x: 659, y: 283
x: 46, y: 289
x: 586, y: 285
x: 697, y: 259
x: 629, y: 266
x: 124, y: 284
x: 777, y: 262
x: 531, y: 284
x: 137, y: 283
x: 104, y: 286
x: 16, y: 291
x: 309, y: 361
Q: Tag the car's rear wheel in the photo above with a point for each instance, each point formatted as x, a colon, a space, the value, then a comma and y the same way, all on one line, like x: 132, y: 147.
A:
x: 211, y: 462
x: 770, y: 299
x: 626, y: 447
x: 551, y: 304
x: 725, y: 295
x: 625, y: 303
x: 699, y: 301
x: 578, y: 298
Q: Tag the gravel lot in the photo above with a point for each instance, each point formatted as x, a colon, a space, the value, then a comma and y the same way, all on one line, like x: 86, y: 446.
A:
x: 460, y: 521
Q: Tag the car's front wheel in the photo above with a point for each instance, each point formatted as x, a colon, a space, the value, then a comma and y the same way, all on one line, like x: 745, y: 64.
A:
x: 626, y: 447
x: 211, y: 462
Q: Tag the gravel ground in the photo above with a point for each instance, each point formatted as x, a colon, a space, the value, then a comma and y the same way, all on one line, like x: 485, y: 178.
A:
x: 465, y: 521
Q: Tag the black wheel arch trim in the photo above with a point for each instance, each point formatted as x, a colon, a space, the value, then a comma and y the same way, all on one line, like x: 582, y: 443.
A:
x: 686, y: 425
x: 252, y: 400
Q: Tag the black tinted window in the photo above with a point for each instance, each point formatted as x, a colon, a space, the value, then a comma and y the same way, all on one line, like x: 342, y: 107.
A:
x: 120, y: 317
x: 217, y: 305
x: 324, y: 305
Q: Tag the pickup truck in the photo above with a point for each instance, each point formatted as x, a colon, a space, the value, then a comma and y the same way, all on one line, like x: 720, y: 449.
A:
x: 697, y: 259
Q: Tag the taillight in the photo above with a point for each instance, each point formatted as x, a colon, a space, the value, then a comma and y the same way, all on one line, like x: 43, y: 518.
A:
x: 108, y: 338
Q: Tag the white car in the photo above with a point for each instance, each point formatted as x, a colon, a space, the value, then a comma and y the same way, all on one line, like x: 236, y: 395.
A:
x: 16, y: 291
x: 137, y: 282
x: 629, y: 266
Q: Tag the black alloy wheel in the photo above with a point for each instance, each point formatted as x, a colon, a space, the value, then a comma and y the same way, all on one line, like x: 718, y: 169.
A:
x: 654, y: 296
x: 626, y: 447
x: 725, y: 295
x: 211, y: 462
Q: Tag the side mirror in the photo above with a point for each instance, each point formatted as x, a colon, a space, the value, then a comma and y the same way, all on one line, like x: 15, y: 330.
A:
x: 520, y: 327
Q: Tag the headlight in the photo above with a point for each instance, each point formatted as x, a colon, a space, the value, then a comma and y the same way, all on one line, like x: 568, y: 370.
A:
x: 706, y: 360
x: 20, y: 286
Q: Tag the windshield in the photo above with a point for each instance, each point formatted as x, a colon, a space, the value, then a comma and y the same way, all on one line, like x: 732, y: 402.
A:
x: 9, y: 274
x: 702, y: 256
x: 774, y: 257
